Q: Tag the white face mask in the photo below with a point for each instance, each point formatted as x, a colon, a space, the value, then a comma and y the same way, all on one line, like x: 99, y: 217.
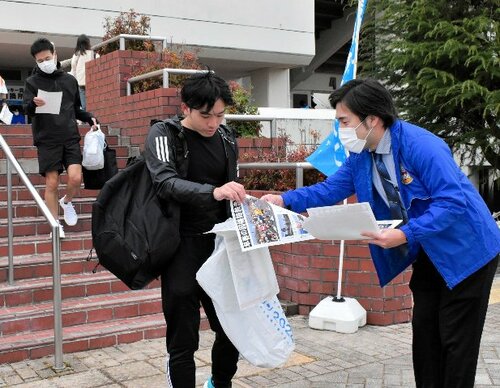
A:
x: 350, y: 139
x: 48, y: 66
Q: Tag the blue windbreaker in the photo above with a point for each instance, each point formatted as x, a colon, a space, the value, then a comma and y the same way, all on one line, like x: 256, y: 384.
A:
x: 448, y: 219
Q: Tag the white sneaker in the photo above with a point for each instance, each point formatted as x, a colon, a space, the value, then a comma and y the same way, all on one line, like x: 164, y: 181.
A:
x: 61, y: 232
x: 70, y: 216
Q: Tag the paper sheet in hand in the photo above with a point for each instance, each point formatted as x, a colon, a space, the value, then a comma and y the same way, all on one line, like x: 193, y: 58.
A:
x: 6, y: 115
x: 344, y: 222
x: 52, y: 102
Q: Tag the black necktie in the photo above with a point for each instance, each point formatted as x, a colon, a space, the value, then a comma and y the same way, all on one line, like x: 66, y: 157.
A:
x: 398, y: 212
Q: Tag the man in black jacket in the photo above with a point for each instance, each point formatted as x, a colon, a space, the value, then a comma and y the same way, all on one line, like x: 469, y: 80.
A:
x: 201, y: 181
x: 56, y: 135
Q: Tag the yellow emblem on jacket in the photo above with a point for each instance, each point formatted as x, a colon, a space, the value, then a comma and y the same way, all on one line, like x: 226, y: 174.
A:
x: 405, y: 176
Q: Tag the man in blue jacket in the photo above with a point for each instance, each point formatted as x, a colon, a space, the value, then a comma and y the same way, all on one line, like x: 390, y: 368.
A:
x: 448, y: 234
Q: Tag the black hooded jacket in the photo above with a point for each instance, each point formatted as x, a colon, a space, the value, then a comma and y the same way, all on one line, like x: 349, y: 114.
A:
x: 168, y: 166
x: 59, y: 128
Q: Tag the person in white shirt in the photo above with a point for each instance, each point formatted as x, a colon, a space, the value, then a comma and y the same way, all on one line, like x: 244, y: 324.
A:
x: 82, y: 55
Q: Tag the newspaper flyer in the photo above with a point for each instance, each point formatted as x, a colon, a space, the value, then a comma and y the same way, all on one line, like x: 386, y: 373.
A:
x: 260, y: 224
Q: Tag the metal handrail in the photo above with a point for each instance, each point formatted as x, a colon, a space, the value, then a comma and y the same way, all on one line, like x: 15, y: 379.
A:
x: 165, y: 76
x: 56, y: 245
x: 298, y: 166
x: 123, y: 37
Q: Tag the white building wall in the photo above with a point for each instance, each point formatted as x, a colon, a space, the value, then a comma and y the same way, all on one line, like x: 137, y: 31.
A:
x: 271, y: 87
x: 298, y: 124
x: 273, y: 32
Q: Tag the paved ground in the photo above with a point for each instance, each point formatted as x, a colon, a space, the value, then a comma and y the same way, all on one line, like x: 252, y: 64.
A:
x: 372, y: 357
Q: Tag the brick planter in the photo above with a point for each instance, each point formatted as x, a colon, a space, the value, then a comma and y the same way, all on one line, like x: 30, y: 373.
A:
x: 107, y: 96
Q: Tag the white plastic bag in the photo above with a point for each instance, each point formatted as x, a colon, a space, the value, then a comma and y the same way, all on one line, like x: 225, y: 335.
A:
x: 216, y: 279
x: 93, y: 149
x: 236, y: 279
x: 260, y: 331
x: 252, y: 273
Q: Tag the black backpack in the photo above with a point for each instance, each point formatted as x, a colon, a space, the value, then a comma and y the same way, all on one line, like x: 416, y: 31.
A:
x: 134, y: 232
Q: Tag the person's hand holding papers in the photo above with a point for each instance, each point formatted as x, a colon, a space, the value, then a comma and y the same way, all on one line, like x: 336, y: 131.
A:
x: 275, y: 199
x: 48, y: 102
x: 386, y: 238
x: 39, y: 101
x: 232, y: 191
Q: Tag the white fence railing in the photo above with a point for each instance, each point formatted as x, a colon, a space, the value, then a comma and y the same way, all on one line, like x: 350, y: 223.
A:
x: 123, y: 37
x: 298, y: 166
x: 165, y: 76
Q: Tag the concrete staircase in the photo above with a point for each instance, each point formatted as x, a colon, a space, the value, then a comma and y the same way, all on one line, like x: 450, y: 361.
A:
x: 98, y: 310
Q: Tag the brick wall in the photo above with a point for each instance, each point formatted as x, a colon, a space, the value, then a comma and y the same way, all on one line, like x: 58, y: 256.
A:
x: 106, y: 81
x: 107, y: 96
x: 307, y: 272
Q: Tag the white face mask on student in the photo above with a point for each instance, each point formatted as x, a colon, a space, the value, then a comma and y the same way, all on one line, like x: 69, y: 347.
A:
x: 48, y: 66
x: 350, y: 140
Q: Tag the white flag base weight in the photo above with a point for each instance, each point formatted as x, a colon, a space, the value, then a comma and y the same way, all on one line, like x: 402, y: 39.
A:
x: 344, y: 315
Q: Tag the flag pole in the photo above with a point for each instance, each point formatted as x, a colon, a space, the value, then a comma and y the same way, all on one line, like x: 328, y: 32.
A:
x: 355, y: 38
x: 344, y: 315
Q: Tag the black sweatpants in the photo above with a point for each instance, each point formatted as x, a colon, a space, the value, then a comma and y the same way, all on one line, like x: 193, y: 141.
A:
x: 447, y: 325
x: 181, y: 297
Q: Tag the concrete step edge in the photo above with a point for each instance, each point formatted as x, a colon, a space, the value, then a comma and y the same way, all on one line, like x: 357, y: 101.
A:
x: 81, y: 332
x: 80, y: 304
x: 47, y: 282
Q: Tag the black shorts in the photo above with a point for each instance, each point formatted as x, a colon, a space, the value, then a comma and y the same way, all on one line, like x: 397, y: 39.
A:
x: 57, y: 157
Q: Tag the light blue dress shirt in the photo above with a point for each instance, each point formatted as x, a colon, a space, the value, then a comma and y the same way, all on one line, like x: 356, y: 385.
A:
x: 384, y: 148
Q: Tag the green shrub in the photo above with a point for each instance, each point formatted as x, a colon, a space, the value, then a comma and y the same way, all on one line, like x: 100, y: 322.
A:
x: 176, y: 57
x: 243, y: 105
x: 131, y: 23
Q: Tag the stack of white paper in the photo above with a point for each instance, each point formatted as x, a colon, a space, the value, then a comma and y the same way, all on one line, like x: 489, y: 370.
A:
x: 52, y: 102
x: 344, y: 222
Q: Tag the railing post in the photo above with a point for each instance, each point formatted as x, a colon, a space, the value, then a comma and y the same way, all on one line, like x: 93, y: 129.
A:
x: 299, y: 176
x: 165, y: 79
x: 122, y: 43
x: 129, y: 88
x: 273, y: 128
x: 9, y: 222
x: 56, y: 265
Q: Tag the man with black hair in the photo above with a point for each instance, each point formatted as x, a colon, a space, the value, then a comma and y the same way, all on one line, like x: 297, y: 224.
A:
x: 56, y: 136
x: 202, y: 182
x: 449, y: 235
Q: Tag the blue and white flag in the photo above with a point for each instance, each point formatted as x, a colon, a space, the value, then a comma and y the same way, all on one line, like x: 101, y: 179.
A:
x: 330, y: 154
